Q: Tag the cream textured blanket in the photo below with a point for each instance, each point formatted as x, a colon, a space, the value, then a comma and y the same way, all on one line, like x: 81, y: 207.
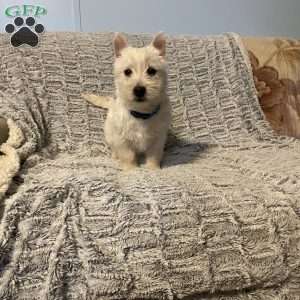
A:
x: 219, y: 221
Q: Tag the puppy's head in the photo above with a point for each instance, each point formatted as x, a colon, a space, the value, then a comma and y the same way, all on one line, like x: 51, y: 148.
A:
x: 140, y: 73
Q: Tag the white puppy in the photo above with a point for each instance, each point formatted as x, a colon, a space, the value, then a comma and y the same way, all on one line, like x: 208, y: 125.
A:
x: 139, y: 118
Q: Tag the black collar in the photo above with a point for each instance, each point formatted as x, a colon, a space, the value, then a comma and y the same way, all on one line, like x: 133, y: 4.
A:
x: 144, y: 116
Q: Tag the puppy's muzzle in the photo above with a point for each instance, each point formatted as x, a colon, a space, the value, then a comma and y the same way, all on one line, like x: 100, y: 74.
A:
x: 139, y: 92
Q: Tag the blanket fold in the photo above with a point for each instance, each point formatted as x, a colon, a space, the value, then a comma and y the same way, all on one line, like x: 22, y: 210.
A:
x: 219, y: 221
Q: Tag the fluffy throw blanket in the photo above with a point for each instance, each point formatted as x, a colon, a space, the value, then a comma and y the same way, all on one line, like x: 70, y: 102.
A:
x: 219, y: 221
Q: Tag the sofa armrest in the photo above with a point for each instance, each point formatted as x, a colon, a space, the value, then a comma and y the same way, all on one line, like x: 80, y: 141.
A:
x: 275, y: 65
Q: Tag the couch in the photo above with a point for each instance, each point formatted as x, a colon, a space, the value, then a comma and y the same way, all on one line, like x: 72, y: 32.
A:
x: 220, y: 220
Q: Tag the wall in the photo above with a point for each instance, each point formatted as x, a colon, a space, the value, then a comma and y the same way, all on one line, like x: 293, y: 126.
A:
x: 248, y: 17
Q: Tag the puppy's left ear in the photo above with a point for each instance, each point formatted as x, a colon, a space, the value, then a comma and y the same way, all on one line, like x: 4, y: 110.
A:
x: 159, y: 43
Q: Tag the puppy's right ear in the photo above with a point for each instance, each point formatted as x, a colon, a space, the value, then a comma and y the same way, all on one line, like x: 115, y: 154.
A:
x: 120, y: 43
x: 159, y: 43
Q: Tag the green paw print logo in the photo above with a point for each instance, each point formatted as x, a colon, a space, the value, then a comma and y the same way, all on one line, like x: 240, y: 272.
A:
x: 24, y: 30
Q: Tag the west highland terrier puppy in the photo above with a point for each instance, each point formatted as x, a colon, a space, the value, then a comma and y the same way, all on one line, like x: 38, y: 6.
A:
x: 139, y: 118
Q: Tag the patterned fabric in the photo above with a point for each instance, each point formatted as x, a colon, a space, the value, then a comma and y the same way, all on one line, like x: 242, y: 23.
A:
x: 219, y: 221
x: 275, y: 64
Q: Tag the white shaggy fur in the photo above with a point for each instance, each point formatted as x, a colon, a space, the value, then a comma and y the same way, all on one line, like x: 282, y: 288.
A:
x: 126, y: 135
x: 9, y: 158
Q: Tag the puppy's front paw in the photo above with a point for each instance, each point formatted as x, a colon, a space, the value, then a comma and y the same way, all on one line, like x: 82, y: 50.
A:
x: 128, y: 166
x: 153, y: 164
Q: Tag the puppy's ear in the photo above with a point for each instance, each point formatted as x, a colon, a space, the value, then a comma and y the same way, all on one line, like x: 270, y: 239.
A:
x: 120, y: 43
x: 159, y: 43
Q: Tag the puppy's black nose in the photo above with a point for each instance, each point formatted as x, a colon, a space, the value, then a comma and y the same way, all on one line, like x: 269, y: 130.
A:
x: 139, y: 91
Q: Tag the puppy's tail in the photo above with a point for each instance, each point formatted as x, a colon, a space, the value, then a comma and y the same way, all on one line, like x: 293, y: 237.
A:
x: 100, y: 101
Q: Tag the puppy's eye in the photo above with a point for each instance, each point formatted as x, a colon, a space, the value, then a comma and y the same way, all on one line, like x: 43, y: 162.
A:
x: 151, y: 71
x: 127, y: 72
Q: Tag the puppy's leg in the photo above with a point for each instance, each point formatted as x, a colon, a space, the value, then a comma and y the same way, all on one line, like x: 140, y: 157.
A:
x: 114, y: 155
x: 154, y: 155
x: 127, y: 158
